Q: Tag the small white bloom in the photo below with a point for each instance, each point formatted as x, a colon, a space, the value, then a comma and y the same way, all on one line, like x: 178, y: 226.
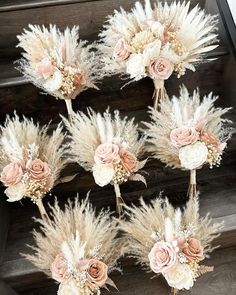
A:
x: 157, y: 29
x: 15, y: 192
x: 69, y: 288
x: 180, y: 277
x: 54, y: 83
x: 151, y: 52
x: 135, y: 66
x: 193, y: 156
x: 103, y: 173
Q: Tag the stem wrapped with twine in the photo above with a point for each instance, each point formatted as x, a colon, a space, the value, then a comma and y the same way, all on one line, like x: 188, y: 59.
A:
x: 69, y: 109
x: 159, y: 92
x: 174, y: 291
x: 119, y: 199
x: 42, y: 210
x: 192, y: 189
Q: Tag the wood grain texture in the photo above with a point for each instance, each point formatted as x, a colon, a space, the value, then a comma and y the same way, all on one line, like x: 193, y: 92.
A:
x: 217, y: 186
x: 89, y: 15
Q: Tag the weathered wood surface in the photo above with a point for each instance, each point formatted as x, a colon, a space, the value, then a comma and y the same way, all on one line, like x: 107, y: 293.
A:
x: 135, y: 281
x: 217, y: 186
x: 90, y: 15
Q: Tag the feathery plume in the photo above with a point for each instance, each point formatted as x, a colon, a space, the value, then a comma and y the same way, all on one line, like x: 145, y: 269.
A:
x: 78, y: 248
x: 31, y: 160
x: 188, y: 132
x: 165, y: 247
x: 157, y: 41
x: 108, y: 146
x: 57, y: 62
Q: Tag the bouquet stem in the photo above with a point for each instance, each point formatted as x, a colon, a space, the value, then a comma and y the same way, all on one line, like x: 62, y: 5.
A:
x: 159, y: 92
x: 42, y: 210
x: 192, y: 189
x: 69, y: 109
x: 174, y: 291
x: 119, y: 199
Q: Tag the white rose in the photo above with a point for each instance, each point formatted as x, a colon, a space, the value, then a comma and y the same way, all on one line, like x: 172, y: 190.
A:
x: 193, y: 156
x: 157, y: 29
x: 103, y: 173
x: 69, y: 288
x: 15, y: 192
x: 135, y: 66
x: 180, y: 277
x: 151, y: 52
x: 54, y: 83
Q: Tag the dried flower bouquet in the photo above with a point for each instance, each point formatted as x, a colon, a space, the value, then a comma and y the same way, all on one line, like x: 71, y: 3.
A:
x: 108, y: 146
x: 78, y: 248
x: 188, y: 133
x: 157, y: 42
x: 57, y: 62
x: 31, y: 160
x: 169, y: 241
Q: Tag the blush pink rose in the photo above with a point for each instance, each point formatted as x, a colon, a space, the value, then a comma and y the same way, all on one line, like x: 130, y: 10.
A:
x: 12, y: 173
x: 107, y: 153
x: 44, y: 68
x: 161, y: 68
x: 59, y: 269
x: 96, y: 272
x: 183, y: 136
x: 120, y: 51
x: 162, y: 257
x: 39, y: 170
x: 128, y: 160
x: 209, y: 138
x: 192, y: 249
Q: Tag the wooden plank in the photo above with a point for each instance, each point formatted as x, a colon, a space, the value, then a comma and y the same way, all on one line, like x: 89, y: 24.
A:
x: 4, y: 221
x: 20, y: 272
x: 11, y: 5
x: 134, y: 281
x: 133, y: 98
x: 6, y: 290
x: 89, y: 15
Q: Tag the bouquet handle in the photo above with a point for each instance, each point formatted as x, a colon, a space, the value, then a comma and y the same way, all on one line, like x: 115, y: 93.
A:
x: 69, y: 109
x: 119, y: 199
x: 192, y: 189
x: 159, y: 92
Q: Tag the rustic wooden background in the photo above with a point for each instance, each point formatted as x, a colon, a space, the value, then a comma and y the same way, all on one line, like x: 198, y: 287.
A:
x: 217, y: 187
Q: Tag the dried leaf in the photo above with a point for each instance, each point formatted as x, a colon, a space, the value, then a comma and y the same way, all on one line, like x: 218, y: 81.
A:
x: 138, y: 177
x: 67, y: 178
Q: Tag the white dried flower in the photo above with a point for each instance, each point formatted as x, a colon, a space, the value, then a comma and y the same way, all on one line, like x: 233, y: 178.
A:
x: 180, y: 277
x: 193, y: 156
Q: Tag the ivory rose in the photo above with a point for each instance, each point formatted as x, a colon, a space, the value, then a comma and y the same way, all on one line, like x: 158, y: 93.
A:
x: 183, y: 136
x: 107, y: 153
x: 12, y: 173
x: 192, y: 249
x: 135, y: 66
x: 128, y: 160
x: 161, y: 68
x: 162, y: 257
x: 193, y: 156
x: 15, y: 192
x: 45, y: 68
x: 120, y: 51
x: 179, y: 277
x: 38, y: 170
x: 54, y: 82
x: 103, y: 174
x: 96, y: 273
x: 59, y: 269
